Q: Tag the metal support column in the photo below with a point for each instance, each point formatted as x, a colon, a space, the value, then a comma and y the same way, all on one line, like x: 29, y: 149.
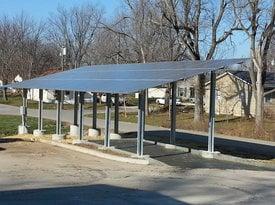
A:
x: 75, y: 107
x: 173, y: 113
x: 116, y: 121
x: 80, y: 115
x: 40, y: 108
x: 24, y: 108
x: 211, y: 124
x: 141, y: 123
x: 58, y: 112
x: 94, y: 110
x: 107, y: 120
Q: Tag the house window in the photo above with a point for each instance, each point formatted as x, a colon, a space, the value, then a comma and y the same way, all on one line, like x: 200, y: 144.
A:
x: 192, y: 92
x: 181, y: 92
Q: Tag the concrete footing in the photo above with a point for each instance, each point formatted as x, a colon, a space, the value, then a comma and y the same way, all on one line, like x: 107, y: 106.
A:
x: 93, y: 133
x: 78, y: 142
x: 209, y: 155
x: 170, y: 146
x: 22, y: 130
x: 114, y: 136
x: 141, y: 157
x: 74, y: 130
x: 38, y: 133
x: 57, y: 137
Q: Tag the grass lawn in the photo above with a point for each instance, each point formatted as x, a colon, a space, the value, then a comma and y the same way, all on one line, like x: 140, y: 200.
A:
x: 9, y: 125
x: 228, y: 125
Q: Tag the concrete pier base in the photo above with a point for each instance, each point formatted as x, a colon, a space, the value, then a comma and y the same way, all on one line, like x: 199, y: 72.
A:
x: 57, y: 137
x: 38, y: 133
x: 93, y: 133
x: 77, y: 141
x: 209, y: 155
x: 22, y: 130
x: 74, y: 130
x: 114, y: 136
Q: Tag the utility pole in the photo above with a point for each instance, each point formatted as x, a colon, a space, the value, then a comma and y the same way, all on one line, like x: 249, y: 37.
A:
x: 63, y: 56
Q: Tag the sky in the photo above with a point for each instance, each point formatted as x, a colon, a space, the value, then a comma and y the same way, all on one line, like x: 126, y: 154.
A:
x: 41, y: 9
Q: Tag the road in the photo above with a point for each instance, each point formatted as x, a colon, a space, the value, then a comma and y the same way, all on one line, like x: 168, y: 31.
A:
x: 35, y: 173
x: 67, y: 116
x: 241, y: 147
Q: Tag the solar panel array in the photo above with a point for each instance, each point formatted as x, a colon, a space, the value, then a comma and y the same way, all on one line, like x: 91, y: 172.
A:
x: 124, y: 78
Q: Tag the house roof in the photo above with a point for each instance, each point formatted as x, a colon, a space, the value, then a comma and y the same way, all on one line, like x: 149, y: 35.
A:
x: 51, y: 71
x: 245, y: 76
x: 124, y: 78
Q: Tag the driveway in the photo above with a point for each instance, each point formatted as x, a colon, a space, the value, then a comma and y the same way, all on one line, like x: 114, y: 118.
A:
x: 34, y: 173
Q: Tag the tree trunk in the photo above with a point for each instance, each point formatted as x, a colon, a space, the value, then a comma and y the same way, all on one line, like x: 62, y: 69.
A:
x: 259, y: 115
x: 4, y: 91
x: 199, y: 92
x: 5, y: 98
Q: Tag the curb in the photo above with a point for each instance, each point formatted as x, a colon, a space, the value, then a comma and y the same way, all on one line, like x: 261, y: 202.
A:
x: 218, y: 156
x: 140, y: 161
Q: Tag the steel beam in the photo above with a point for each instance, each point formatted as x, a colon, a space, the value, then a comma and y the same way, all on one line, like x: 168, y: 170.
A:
x: 75, y: 108
x: 116, y: 121
x: 40, y: 108
x: 211, y: 124
x: 141, y: 123
x: 80, y: 115
x: 107, y: 120
x: 24, y: 107
x: 58, y: 112
x: 173, y: 113
x: 94, y: 110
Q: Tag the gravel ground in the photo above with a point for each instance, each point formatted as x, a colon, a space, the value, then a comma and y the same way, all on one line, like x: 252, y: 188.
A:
x: 36, y: 173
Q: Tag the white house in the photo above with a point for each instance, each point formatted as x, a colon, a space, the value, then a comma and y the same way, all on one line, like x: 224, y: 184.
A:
x: 159, y: 92
x: 18, y: 78
x: 49, y: 96
x: 185, y: 91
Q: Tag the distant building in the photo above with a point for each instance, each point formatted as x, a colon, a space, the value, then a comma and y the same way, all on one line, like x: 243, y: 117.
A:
x: 185, y: 91
x: 49, y: 96
x: 18, y: 79
x: 234, y: 94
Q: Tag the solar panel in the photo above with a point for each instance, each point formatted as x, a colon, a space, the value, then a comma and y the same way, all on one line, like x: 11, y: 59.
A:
x: 124, y: 78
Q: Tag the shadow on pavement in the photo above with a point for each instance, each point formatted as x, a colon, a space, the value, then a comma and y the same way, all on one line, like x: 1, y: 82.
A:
x: 10, y: 140
x: 80, y: 195
x: 225, y: 146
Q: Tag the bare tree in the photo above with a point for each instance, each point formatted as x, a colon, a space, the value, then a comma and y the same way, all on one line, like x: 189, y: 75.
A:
x: 75, y: 29
x: 257, y: 20
x: 23, y: 50
x: 200, y: 27
x: 8, y: 49
x: 30, y: 42
x: 147, y: 41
